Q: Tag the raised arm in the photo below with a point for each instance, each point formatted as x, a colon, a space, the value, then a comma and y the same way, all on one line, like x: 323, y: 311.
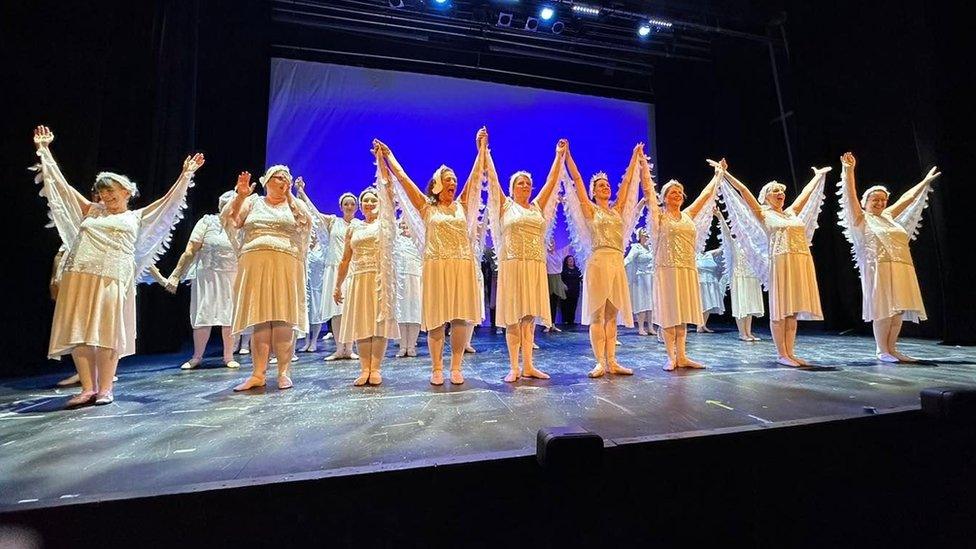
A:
x: 478, y: 168
x: 300, y: 192
x: 650, y: 195
x: 912, y: 194
x: 414, y: 194
x: 801, y: 199
x: 586, y: 205
x: 708, y: 193
x: 234, y: 212
x: 52, y: 172
x: 495, y: 187
x: 624, y: 189
x: 545, y: 194
x: 190, y: 166
x: 747, y: 195
x: 847, y: 161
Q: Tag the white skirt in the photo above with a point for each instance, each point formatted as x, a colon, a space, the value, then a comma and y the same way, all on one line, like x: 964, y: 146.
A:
x: 793, y: 288
x: 451, y: 292
x: 523, y: 290
x: 605, y: 279
x: 677, y: 296
x: 212, y: 298
x: 329, y: 306
x: 409, y: 300
x: 713, y: 295
x: 747, y: 297
x: 893, y: 290
x: 362, y: 309
x: 642, y: 293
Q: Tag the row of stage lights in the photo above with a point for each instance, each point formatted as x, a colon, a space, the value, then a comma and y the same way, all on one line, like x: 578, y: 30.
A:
x: 547, y: 15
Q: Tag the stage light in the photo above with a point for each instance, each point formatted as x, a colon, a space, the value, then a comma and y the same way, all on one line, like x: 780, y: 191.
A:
x: 504, y: 19
x: 580, y: 9
x: 558, y: 27
x: 659, y: 23
x: 546, y: 13
x: 644, y: 30
x: 531, y: 24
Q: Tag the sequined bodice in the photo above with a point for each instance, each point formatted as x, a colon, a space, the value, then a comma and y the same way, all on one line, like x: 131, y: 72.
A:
x: 888, y: 239
x: 523, y: 230
x: 270, y: 227
x: 676, y: 242
x: 787, y: 233
x: 216, y: 253
x: 446, y: 233
x: 740, y: 265
x: 408, y: 260
x: 365, y: 244
x: 608, y: 229
x: 105, y: 245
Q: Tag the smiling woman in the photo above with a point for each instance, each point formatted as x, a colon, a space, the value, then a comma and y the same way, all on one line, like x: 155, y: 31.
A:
x: 109, y: 247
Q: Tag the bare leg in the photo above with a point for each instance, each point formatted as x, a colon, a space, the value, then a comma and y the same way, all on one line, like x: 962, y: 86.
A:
x: 893, y: 333
x: 748, y: 321
x: 412, y: 341
x: 365, y: 361
x: 435, y: 344
x: 610, y: 344
x: 671, y: 345
x: 200, y: 337
x: 404, y: 339
x: 460, y: 334
x: 513, y: 339
x: 598, y: 338
x: 84, y: 358
x: 260, y: 352
x: 790, y: 333
x: 283, y: 341
x: 681, y: 349
x: 778, y: 327
x: 106, y: 362
x: 742, y: 325
x: 312, y: 339
x: 704, y: 325
x: 228, y: 341
x: 527, y: 327
x: 467, y: 346
x: 650, y: 324
x: 375, y: 365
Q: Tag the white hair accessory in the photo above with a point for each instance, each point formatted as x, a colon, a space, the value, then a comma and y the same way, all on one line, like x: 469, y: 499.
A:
x: 348, y: 195
x: 119, y: 180
x: 641, y: 231
x: 225, y: 199
x: 369, y: 190
x: 273, y: 170
x: 772, y: 186
x: 438, y: 181
x: 667, y: 187
x: 596, y: 177
x: 515, y: 176
x: 867, y: 194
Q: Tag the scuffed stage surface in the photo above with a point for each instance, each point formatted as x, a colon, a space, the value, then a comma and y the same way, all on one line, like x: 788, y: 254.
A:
x: 171, y: 430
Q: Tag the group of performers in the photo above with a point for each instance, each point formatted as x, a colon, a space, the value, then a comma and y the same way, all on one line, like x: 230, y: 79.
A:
x: 274, y: 267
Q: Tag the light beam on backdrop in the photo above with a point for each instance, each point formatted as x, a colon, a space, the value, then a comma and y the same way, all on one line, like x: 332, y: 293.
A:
x: 322, y: 119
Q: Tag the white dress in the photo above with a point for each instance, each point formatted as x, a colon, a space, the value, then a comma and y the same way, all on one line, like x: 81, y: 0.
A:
x: 212, y: 274
x: 604, y: 278
x: 880, y: 243
x: 371, y: 284
x: 450, y: 273
x: 335, y: 236
x: 409, y: 267
x: 677, y: 292
x: 712, y: 285
x: 523, y: 286
x: 106, y: 255
x: 315, y: 271
x: 640, y: 276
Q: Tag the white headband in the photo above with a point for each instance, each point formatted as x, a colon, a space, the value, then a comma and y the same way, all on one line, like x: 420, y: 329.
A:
x: 867, y: 194
x: 348, y: 195
x: 596, y: 177
x: 667, y: 187
x: 120, y: 180
x: 768, y: 188
x: 515, y: 176
x: 438, y: 182
x: 273, y: 170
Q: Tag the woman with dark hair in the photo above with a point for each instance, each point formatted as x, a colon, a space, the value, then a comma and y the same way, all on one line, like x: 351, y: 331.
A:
x: 109, y: 248
x: 572, y: 278
x: 444, y: 223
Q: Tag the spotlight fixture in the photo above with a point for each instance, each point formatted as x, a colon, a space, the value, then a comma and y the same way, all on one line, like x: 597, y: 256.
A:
x: 504, y: 19
x: 558, y: 27
x: 643, y: 30
x: 581, y: 9
x: 661, y: 23
x: 546, y: 13
x: 531, y: 24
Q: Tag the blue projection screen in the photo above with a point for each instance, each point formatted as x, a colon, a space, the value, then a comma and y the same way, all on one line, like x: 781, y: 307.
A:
x: 322, y: 119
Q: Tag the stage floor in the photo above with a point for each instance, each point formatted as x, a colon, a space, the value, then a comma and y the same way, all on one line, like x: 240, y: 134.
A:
x: 171, y: 430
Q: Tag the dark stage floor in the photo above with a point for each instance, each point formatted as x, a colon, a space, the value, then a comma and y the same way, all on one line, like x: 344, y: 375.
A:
x: 171, y: 430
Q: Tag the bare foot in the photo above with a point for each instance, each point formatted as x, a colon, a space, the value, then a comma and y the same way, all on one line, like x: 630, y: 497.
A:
x: 615, y: 368
x: 284, y: 382
x: 81, y: 399
x: 668, y: 366
x: 375, y: 378
x: 437, y: 377
x: 689, y: 363
x: 530, y: 371
x: 456, y: 377
x: 799, y: 360
x: 512, y: 376
x: 903, y: 357
x: 361, y: 380
x: 597, y: 371
x: 787, y: 361
x: 250, y: 383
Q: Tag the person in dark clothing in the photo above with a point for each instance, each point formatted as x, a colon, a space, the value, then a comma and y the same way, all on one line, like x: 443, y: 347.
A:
x: 572, y: 278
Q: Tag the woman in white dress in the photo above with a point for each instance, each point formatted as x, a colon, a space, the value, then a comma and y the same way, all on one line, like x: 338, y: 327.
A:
x: 210, y: 263
x: 677, y: 236
x: 598, y: 231
x: 776, y: 239
x: 519, y: 226
x: 640, y: 276
x: 409, y: 268
x: 880, y: 236
x: 745, y: 287
x: 368, y: 256
x: 444, y: 224
x: 109, y: 248
x: 331, y: 232
x: 710, y: 265
x: 315, y: 273
x: 271, y: 234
